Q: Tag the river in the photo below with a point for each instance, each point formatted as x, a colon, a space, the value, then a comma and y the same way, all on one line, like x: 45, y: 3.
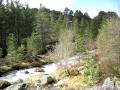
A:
x: 48, y: 69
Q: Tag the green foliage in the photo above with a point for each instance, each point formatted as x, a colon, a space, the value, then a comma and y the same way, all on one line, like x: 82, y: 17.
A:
x: 42, y: 35
x: 14, y: 53
x: 22, y: 21
x: 0, y: 52
x: 108, y: 43
x: 91, y: 72
x: 79, y: 43
x: 15, y: 18
x: 98, y: 21
x: 34, y: 44
x: 20, y: 52
x: 83, y: 33
x: 12, y: 47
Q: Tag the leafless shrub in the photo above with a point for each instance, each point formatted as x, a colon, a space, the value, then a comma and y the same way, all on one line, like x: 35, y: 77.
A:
x: 64, y: 47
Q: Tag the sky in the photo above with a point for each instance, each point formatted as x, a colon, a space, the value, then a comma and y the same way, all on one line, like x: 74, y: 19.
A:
x: 91, y: 6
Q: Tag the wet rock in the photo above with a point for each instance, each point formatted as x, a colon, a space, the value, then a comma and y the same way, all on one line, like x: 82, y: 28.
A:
x: 26, y: 72
x: 50, y: 80
x: 39, y: 70
x: 34, y: 87
x: 23, y: 86
x: 51, y: 87
x: 47, y: 80
x: 19, y: 86
x: 18, y: 81
x: 4, y: 84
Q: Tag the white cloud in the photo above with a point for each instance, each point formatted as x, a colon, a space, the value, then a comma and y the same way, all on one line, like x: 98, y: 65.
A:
x: 51, y: 4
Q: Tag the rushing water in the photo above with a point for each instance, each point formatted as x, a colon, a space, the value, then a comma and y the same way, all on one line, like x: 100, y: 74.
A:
x: 21, y: 74
x: 49, y: 69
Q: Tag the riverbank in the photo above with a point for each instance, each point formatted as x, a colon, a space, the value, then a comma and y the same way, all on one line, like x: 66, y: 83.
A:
x: 34, y: 75
x: 46, y: 75
x: 39, y: 61
x: 75, y: 73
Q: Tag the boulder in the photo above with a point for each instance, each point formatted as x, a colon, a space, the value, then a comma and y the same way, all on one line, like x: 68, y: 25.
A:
x: 50, y: 80
x: 33, y: 79
x: 32, y: 87
x: 110, y: 84
x: 20, y: 66
x: 37, y: 83
x: 39, y: 70
x: 18, y: 86
x: 18, y: 81
x: 26, y: 72
x: 72, y: 72
x: 36, y: 64
x: 47, y: 80
x: 4, y: 69
x: 4, y: 84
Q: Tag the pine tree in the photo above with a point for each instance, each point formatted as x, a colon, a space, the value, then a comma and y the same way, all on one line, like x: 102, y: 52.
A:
x: 43, y: 29
x: 34, y: 44
x: 0, y: 52
x: 20, y: 52
x: 79, y: 43
x: 11, y: 45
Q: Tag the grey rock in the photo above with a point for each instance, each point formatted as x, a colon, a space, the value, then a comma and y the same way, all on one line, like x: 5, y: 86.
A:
x: 47, y: 80
x: 18, y: 81
x: 19, y: 86
x: 4, y: 84
x: 50, y: 80
x: 26, y: 72
x: 39, y: 70
x: 110, y: 83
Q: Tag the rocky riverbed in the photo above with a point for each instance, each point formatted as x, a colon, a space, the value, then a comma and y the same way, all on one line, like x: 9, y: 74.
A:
x: 37, y: 78
x: 45, y: 78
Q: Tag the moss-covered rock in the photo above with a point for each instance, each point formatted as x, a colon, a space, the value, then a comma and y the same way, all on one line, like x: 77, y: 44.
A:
x: 4, y: 69
x: 4, y: 84
x: 36, y: 64
x: 72, y: 72
x: 39, y: 70
x: 20, y: 66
